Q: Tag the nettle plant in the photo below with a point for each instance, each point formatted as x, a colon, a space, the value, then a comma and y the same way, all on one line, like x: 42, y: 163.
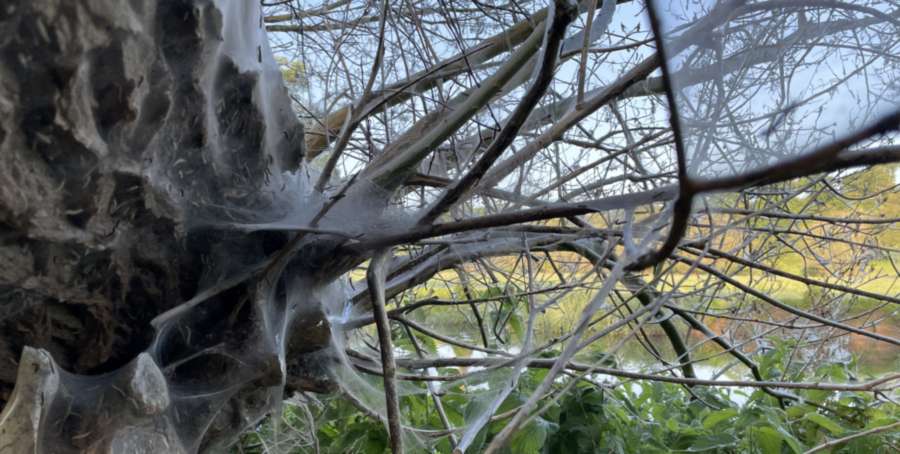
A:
x: 611, y: 226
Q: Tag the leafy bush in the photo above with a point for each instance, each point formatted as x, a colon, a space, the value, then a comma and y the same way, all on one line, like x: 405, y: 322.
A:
x: 623, y: 417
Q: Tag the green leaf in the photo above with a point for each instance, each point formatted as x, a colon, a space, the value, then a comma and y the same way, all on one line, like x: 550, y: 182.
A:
x: 825, y: 423
x: 790, y: 440
x: 531, y: 438
x: 798, y: 411
x: 426, y: 342
x: 515, y: 324
x: 818, y: 395
x: 717, y: 442
x: 768, y: 440
x: 880, y: 421
x: 718, y: 416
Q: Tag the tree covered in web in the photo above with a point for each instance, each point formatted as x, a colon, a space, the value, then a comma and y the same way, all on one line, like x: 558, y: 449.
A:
x: 446, y: 197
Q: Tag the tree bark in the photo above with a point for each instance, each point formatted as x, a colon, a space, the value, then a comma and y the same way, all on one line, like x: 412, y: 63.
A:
x: 122, y: 125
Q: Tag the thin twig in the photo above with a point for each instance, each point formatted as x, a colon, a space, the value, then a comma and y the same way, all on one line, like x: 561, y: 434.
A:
x: 865, y: 433
x: 375, y: 277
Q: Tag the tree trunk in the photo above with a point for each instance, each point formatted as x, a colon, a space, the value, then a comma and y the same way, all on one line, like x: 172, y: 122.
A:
x: 125, y: 128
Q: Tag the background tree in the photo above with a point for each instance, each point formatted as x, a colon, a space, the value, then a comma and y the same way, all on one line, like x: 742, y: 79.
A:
x: 527, y: 186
